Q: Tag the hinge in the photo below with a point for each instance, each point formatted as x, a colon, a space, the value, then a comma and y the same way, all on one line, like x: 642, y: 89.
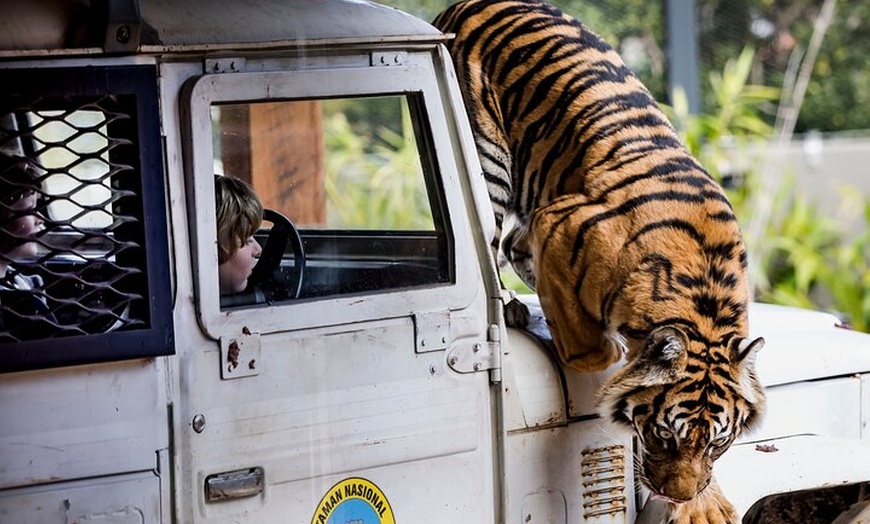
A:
x: 224, y: 65
x: 431, y: 330
x: 240, y: 356
x: 472, y: 357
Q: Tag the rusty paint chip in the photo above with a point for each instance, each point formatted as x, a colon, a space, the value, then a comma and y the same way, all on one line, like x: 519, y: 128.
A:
x: 766, y: 448
x: 233, y: 355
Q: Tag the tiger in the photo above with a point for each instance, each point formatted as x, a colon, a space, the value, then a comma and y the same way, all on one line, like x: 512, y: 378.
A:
x: 631, y: 245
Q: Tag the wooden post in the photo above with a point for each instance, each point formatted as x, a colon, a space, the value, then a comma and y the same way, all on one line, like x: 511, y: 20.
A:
x: 287, y: 159
x: 277, y: 147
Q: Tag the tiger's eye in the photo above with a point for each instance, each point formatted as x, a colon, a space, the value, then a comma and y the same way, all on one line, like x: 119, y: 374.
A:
x: 664, y: 434
x: 719, y: 441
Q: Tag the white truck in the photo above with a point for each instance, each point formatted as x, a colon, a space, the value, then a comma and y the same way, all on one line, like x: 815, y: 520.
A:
x: 367, y: 376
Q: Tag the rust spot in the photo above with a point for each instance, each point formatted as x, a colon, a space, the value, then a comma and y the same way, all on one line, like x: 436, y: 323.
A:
x: 766, y: 448
x: 233, y: 355
x: 245, y: 330
x: 252, y: 364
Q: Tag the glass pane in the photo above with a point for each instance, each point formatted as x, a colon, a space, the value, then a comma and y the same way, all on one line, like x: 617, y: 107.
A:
x: 350, y: 174
x: 341, y: 163
x: 373, y: 173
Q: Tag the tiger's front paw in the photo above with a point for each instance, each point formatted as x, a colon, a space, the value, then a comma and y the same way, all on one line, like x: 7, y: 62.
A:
x: 709, y: 507
x: 690, y: 513
x: 516, y: 314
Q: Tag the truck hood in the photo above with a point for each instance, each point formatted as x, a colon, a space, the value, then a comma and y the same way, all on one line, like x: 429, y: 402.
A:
x: 805, y: 345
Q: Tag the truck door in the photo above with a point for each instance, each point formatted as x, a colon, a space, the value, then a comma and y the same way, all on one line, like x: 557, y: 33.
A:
x: 344, y: 388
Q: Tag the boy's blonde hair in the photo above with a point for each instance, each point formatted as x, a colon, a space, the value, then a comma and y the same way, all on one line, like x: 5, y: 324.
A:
x: 239, y: 215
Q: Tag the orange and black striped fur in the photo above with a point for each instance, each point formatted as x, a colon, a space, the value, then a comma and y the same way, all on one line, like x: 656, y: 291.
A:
x: 632, y: 247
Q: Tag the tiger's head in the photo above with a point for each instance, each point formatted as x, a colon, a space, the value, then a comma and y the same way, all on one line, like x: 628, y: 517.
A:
x: 687, y: 401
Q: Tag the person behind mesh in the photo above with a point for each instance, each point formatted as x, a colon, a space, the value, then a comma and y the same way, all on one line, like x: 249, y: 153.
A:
x: 24, y: 313
x: 239, y: 216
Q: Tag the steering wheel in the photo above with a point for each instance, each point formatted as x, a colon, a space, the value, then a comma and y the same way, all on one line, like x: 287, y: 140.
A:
x: 268, y: 280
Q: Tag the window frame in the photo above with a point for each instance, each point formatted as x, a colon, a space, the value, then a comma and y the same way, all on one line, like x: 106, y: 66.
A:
x: 410, y: 79
x: 139, y: 81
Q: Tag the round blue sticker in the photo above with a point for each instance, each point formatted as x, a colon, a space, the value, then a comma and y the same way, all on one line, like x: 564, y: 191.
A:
x: 354, y: 501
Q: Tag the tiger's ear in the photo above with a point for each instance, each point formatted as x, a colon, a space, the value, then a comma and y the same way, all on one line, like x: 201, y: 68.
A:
x: 664, y: 355
x: 743, y: 357
x: 661, y: 361
x: 746, y: 352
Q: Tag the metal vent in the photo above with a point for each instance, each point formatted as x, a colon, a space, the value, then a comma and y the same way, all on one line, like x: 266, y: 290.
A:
x: 603, y: 478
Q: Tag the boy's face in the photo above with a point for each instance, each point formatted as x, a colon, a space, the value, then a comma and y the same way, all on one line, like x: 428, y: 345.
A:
x: 234, y: 272
x: 25, y: 225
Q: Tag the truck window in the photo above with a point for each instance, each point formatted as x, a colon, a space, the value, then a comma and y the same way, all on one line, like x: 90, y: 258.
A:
x: 348, y: 156
x: 351, y: 175
x: 99, y: 268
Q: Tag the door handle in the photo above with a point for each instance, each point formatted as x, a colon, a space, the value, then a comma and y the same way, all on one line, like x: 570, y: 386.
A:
x: 234, y: 484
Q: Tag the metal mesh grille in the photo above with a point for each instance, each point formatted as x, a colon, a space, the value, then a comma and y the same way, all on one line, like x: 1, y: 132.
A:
x: 88, y: 271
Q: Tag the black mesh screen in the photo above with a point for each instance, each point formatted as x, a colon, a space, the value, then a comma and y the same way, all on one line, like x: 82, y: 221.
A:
x: 88, y: 250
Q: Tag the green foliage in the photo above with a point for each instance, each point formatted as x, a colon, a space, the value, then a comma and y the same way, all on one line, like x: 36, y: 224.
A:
x: 738, y: 107
x: 373, y: 174
x: 837, y: 96
x: 795, y: 253
x: 511, y: 280
x: 811, y: 263
x: 423, y: 9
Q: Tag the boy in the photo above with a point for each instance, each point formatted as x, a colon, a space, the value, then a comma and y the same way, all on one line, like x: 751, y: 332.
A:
x: 24, y: 313
x: 19, y: 219
x: 239, y: 215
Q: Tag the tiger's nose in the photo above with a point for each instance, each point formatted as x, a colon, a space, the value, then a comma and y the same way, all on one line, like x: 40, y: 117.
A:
x: 686, y: 485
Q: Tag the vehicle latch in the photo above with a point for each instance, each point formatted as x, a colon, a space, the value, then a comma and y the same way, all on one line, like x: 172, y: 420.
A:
x: 240, y: 355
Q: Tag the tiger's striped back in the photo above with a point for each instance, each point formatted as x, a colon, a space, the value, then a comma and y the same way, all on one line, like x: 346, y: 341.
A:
x: 554, y: 109
x: 632, y: 247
